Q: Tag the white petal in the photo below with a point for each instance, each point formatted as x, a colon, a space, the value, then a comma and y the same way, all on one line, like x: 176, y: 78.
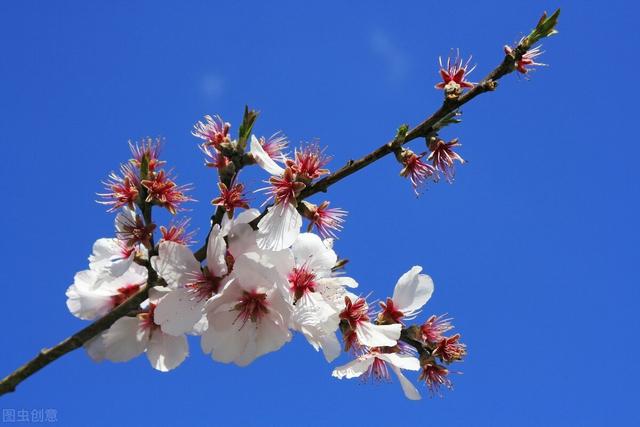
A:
x: 242, y: 239
x: 262, y: 158
x: 402, y: 361
x: 252, y: 274
x: 124, y: 218
x: 310, y: 250
x: 353, y: 369
x: 216, y: 252
x: 270, y: 337
x: 338, y: 281
x: 408, y: 388
x: 103, y: 251
x: 123, y: 341
x: 156, y: 294
x: 135, y: 274
x: 246, y: 216
x: 223, y: 339
x: 166, y: 352
x: 279, y: 228
x: 178, y: 312
x: 96, y: 349
x: 378, y: 335
x: 176, y: 264
x: 85, y: 300
x: 412, y: 291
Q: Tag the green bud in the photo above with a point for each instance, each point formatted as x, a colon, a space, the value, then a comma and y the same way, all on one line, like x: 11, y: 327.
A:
x: 244, y: 132
x: 546, y: 27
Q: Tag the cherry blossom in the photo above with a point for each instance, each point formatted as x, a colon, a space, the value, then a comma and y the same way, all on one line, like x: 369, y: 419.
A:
x: 122, y: 190
x: 250, y: 317
x: 280, y: 226
x: 454, y: 74
x: 214, y: 131
x: 114, y: 256
x: 312, y: 291
x: 411, y: 293
x: 129, y: 337
x: 374, y: 364
x: 361, y: 332
x: 190, y: 285
x: 93, y: 294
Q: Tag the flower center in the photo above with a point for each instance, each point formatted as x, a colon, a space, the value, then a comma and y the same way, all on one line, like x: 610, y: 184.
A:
x: 252, y: 306
x: 204, y: 285
x: 390, y: 314
x: 377, y: 371
x: 123, y: 294
x: 355, y: 312
x: 302, y: 281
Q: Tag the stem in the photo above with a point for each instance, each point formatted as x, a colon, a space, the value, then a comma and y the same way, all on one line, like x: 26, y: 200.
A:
x: 46, y: 356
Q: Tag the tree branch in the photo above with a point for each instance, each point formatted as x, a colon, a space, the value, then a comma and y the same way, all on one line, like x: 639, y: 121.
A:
x: 47, y: 356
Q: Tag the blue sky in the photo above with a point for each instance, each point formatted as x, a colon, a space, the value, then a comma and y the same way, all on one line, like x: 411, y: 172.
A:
x: 533, y: 250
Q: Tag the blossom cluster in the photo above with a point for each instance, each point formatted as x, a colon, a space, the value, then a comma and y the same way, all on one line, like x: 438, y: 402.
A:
x: 261, y: 279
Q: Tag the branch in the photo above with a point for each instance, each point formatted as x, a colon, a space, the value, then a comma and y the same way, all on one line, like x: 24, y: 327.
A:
x: 239, y: 160
x: 80, y: 338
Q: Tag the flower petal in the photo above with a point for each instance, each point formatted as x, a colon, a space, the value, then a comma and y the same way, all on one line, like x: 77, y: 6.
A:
x: 310, y: 250
x: 178, y: 312
x: 353, y: 369
x: 412, y: 290
x: 378, y: 335
x: 166, y: 352
x: 176, y: 264
x: 262, y: 158
x: 216, y: 252
x: 408, y: 388
x: 123, y: 341
x: 279, y: 228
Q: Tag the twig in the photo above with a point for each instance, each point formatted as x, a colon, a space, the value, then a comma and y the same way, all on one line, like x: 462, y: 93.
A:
x: 46, y: 356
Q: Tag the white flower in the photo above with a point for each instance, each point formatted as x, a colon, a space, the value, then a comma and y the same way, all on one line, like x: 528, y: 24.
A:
x: 93, y: 294
x: 280, y: 226
x: 374, y: 364
x: 190, y: 285
x: 317, y: 297
x: 129, y: 337
x: 111, y: 255
x: 250, y: 316
x: 361, y: 331
x: 411, y: 293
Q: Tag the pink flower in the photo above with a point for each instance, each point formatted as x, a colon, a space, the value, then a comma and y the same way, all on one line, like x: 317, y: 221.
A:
x: 122, y: 190
x: 214, y: 131
x: 147, y: 150
x: 177, y: 233
x: 275, y: 146
x: 455, y: 73
x: 326, y: 220
x: 214, y: 159
x: 415, y: 169
x: 435, y: 376
x: 231, y: 198
x: 131, y: 230
x: 163, y: 191
x: 442, y: 156
x: 450, y: 349
x: 434, y: 328
x: 525, y: 64
x: 309, y: 162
